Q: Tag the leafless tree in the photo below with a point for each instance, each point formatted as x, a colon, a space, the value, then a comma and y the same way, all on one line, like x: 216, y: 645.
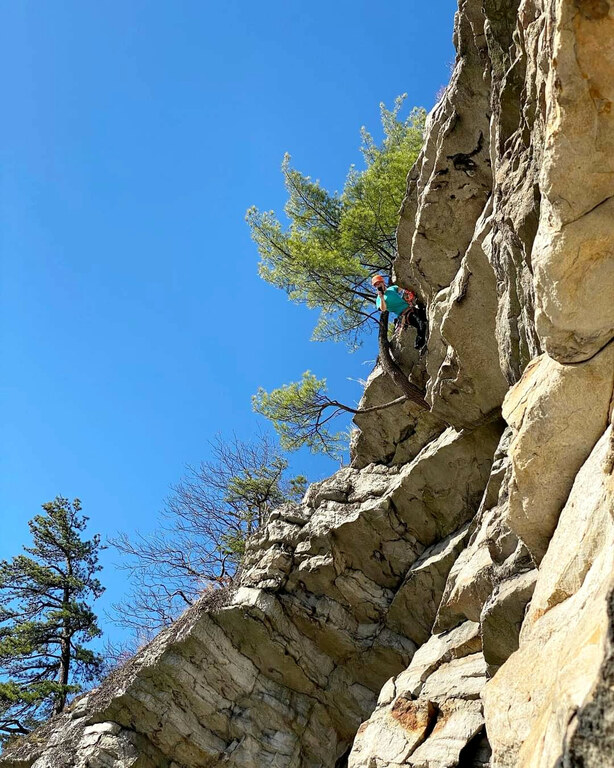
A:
x: 202, y: 531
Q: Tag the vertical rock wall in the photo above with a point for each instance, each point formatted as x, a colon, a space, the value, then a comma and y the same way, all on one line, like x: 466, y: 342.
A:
x: 447, y: 600
x: 520, y: 286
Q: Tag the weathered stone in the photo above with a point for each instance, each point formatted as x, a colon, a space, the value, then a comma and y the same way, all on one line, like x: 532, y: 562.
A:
x: 414, y: 607
x: 502, y: 617
x: 393, y: 435
x: 466, y: 381
x: 486, y: 559
x: 471, y: 578
x: 459, y: 721
x: 590, y: 739
x: 531, y: 702
x: 574, y: 252
x: 433, y: 505
x: 431, y: 724
x: 575, y: 263
x: 101, y: 745
x: 462, y: 677
x: 555, y: 427
x: 439, y: 649
x: 392, y: 734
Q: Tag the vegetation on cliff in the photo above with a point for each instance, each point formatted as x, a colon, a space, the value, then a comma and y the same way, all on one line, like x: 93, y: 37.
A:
x: 46, y: 618
x: 200, y: 539
x: 335, y: 241
x: 324, y: 259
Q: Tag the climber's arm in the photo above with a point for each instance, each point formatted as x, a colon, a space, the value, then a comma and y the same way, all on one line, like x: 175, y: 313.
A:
x: 382, y: 299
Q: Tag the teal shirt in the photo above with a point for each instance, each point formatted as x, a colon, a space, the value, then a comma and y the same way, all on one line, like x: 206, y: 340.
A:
x: 394, y: 301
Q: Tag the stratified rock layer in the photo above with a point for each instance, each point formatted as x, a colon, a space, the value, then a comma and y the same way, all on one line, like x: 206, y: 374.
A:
x: 448, y: 600
x: 286, y: 671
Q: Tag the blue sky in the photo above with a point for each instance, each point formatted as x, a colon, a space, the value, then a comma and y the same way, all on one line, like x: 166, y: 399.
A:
x: 134, y: 137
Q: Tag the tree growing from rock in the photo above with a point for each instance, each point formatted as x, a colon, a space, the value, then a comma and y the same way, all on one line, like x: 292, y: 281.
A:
x: 325, y: 257
x: 302, y: 411
x: 46, y: 618
x: 204, y: 526
x: 335, y: 242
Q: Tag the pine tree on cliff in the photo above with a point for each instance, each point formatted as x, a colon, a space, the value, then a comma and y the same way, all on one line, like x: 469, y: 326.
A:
x: 335, y: 242
x: 325, y: 259
x: 46, y: 619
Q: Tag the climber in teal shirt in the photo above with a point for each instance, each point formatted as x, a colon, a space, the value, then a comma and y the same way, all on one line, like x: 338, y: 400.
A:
x: 404, y: 304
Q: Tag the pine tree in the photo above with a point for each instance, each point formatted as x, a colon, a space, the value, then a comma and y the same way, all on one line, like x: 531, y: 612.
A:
x: 324, y: 257
x: 46, y: 619
x: 334, y: 242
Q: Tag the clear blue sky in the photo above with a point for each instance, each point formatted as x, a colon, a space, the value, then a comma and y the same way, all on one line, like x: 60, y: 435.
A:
x: 134, y: 137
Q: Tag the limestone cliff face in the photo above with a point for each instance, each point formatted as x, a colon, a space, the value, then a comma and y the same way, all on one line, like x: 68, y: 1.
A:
x: 448, y: 599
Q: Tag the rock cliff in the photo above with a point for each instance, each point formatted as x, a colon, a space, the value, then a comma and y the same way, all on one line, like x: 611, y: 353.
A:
x: 448, y: 600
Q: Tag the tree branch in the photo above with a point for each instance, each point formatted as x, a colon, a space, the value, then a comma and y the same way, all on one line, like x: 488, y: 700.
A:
x: 389, y: 365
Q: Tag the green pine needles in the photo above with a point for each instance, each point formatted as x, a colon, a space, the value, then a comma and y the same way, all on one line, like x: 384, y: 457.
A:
x: 46, y: 619
x: 335, y: 242
x: 298, y: 414
x: 325, y: 258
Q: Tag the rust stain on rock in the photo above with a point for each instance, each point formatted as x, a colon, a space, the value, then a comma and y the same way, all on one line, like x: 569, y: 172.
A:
x: 413, y: 715
x: 602, y: 104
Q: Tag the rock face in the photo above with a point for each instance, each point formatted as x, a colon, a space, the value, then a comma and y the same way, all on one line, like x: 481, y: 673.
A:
x: 532, y: 702
x: 448, y: 600
x: 287, y: 670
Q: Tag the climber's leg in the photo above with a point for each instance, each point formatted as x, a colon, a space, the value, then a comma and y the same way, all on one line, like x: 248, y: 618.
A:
x: 417, y: 318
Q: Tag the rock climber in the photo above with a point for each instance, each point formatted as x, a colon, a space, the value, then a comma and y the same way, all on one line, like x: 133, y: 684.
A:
x: 405, y: 305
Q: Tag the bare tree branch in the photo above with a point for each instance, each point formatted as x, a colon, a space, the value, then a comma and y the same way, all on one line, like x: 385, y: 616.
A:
x: 200, y: 540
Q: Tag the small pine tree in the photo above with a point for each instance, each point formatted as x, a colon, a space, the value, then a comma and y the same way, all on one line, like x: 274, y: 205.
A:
x: 46, y: 619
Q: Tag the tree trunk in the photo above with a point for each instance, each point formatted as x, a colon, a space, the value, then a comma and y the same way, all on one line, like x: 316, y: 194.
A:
x: 411, y: 392
x: 64, y: 644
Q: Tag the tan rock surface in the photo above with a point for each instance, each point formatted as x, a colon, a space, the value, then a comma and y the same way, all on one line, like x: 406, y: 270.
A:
x: 459, y: 722
x: 555, y: 427
x: 492, y: 556
x: 428, y: 714
x: 439, y: 649
x: 531, y: 702
x: 466, y: 381
x: 394, y: 435
x: 574, y: 253
x: 414, y: 606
